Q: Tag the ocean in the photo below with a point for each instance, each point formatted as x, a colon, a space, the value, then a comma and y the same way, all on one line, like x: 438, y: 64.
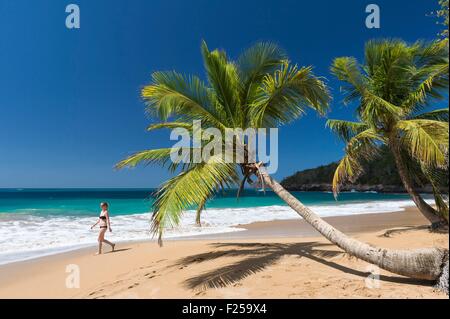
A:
x: 39, y: 222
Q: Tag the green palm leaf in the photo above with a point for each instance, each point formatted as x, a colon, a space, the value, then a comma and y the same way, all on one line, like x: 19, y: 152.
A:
x: 261, y: 59
x: 346, y: 129
x: 362, y: 147
x: 426, y: 140
x: 189, y: 189
x: 186, y: 97
x: 224, y: 79
x: 431, y: 80
x: 347, y: 69
x: 162, y: 157
x: 285, y: 95
x: 156, y: 156
x: 437, y: 115
x: 170, y: 125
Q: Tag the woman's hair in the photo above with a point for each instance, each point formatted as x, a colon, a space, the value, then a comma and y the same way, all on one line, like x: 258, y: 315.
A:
x: 104, y: 204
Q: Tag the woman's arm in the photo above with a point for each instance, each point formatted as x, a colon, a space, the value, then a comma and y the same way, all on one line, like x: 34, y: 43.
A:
x: 98, y: 221
x: 109, y: 222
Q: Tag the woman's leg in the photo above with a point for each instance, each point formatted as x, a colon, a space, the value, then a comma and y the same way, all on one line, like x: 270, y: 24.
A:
x: 101, y: 238
x: 109, y: 243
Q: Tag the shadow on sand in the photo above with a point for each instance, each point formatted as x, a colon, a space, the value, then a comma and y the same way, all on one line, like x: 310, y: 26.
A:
x: 117, y: 250
x: 258, y: 256
x: 397, y: 231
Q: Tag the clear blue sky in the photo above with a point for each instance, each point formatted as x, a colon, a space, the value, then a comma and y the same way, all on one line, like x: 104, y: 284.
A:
x: 69, y: 99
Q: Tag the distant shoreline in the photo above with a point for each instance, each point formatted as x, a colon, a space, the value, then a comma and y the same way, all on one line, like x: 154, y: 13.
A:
x: 382, y: 189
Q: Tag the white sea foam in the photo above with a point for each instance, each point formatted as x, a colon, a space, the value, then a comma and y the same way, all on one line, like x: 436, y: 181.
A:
x: 25, y: 236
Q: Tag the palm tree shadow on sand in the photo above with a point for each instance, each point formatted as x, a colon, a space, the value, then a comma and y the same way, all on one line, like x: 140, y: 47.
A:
x: 259, y: 256
x: 401, y: 230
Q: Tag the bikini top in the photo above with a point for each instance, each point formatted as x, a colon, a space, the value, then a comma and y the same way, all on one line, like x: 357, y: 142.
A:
x: 103, y: 217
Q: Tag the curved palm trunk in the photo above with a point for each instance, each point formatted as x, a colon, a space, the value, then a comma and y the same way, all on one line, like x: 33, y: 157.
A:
x: 199, y: 213
x: 419, y: 263
x: 429, y: 212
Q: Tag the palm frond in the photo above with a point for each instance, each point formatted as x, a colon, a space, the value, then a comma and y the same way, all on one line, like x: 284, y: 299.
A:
x: 163, y: 157
x: 285, y: 95
x: 348, y: 169
x: 362, y: 147
x: 189, y: 189
x: 224, y: 79
x: 347, y: 69
x: 346, y: 129
x: 386, y: 65
x: 169, y: 125
x: 377, y: 111
x: 426, y: 140
x: 155, y: 156
x: 431, y: 83
x: 254, y: 63
x: 436, y: 178
x: 186, y: 97
x: 436, y: 115
x: 441, y: 203
x: 433, y: 53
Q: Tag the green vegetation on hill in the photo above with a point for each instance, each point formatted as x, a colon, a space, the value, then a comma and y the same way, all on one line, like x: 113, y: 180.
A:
x: 381, y: 171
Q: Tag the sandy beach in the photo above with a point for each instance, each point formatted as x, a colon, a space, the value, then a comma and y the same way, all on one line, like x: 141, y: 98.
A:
x: 279, y: 259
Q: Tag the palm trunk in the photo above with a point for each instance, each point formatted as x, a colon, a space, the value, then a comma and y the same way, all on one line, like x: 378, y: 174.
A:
x: 199, y: 213
x: 419, y: 263
x: 429, y: 212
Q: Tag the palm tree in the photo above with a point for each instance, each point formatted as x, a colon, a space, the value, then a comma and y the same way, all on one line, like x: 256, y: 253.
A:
x: 393, y: 88
x: 261, y: 89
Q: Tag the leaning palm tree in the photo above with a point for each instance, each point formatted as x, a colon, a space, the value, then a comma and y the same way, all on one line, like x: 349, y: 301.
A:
x: 261, y: 89
x: 393, y: 88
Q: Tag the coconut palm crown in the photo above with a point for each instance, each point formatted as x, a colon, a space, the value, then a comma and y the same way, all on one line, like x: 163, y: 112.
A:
x: 261, y: 89
x: 395, y: 90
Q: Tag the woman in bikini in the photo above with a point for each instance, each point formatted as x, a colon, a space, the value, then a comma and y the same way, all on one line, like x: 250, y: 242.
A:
x: 105, y: 224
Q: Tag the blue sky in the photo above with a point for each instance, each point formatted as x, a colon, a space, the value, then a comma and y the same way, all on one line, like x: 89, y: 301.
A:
x: 69, y: 99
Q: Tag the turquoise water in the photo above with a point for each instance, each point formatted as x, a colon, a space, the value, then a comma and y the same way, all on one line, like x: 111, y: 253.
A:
x: 85, y: 202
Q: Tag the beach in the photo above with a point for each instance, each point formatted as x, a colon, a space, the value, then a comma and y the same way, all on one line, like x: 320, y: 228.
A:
x: 271, y: 259
x: 42, y: 222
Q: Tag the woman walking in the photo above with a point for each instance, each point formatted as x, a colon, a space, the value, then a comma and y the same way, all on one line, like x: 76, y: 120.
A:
x: 105, y: 224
